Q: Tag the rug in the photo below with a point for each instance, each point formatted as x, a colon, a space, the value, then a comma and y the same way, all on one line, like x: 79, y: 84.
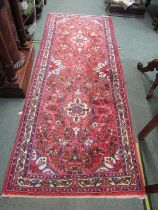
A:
x: 75, y: 137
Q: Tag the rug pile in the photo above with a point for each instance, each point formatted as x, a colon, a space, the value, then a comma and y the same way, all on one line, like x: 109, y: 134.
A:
x: 75, y: 137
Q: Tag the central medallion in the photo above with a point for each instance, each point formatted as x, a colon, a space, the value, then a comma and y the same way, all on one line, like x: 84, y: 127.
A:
x: 77, y: 110
x: 79, y: 39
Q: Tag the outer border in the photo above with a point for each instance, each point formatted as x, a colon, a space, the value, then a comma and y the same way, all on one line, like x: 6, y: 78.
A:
x: 128, y: 108
x: 139, y: 194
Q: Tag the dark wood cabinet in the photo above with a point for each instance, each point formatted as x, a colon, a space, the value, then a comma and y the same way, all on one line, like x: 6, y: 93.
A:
x: 16, y: 53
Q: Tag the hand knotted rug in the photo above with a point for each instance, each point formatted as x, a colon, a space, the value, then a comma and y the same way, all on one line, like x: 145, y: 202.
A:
x: 75, y: 137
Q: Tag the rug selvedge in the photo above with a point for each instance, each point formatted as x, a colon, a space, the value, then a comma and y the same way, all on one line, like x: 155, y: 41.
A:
x: 75, y: 136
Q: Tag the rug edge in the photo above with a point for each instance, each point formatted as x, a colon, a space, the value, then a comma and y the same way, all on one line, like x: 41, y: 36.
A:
x: 4, y: 193
x: 79, y: 196
x: 78, y: 14
x: 129, y: 113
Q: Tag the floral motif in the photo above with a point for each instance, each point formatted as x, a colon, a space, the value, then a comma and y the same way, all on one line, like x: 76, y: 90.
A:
x: 56, y: 66
x: 77, y: 109
x: 75, y: 136
x: 79, y: 39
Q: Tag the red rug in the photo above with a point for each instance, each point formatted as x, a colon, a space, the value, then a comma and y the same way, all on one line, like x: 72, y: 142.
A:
x: 75, y: 136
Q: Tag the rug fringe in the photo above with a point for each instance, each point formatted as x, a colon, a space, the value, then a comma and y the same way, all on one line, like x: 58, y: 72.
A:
x: 72, y: 14
x: 76, y: 197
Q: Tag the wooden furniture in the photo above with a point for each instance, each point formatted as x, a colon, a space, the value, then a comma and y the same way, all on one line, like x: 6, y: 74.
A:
x: 18, y: 88
x: 150, y: 67
x: 151, y: 188
x: 145, y: 131
x: 10, y: 56
x: 14, y: 5
x: 16, y: 54
x: 147, y: 3
x: 155, y: 23
x: 155, y: 18
x: 117, y: 9
x: 2, y: 75
x: 148, y: 128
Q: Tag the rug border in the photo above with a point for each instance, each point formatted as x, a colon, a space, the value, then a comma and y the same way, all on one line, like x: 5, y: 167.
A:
x: 129, y: 113
x: 139, y: 194
x: 34, y: 70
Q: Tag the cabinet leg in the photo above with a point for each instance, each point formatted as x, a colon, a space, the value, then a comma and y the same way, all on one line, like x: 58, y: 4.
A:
x: 147, y: 3
x: 148, y: 128
x: 150, y: 67
x: 151, y: 188
x: 151, y: 90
